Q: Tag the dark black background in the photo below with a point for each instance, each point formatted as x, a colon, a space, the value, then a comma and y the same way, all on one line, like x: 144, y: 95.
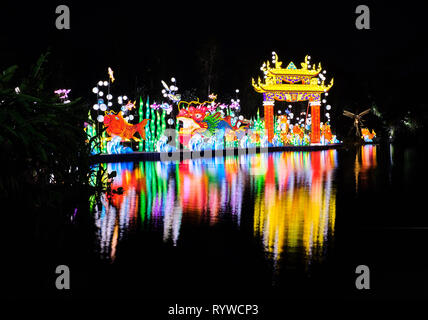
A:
x: 146, y: 41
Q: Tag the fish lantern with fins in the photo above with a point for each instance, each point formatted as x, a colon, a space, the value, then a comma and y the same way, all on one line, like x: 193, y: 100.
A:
x: 116, y: 125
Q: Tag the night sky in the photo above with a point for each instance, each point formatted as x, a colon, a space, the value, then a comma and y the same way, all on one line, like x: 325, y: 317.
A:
x: 144, y: 42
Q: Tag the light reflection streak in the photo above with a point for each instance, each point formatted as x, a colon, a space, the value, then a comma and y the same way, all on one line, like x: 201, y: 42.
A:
x: 365, y: 160
x: 295, y: 205
x: 160, y: 195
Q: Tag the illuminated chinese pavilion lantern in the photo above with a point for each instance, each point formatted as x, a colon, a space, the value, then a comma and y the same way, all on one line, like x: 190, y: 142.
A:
x: 292, y: 84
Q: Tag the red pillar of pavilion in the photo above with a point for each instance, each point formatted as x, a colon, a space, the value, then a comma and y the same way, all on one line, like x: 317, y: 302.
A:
x: 268, y: 113
x: 315, y: 121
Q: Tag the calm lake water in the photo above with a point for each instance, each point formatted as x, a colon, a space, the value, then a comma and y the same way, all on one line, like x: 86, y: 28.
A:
x: 284, y: 225
x: 285, y: 201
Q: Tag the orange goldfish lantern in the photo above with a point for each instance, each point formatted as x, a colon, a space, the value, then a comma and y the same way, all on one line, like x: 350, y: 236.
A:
x: 117, y: 126
x: 326, y: 131
x: 284, y: 137
x: 283, y: 123
x: 366, y: 133
x: 298, y: 130
x: 255, y: 137
x: 230, y: 136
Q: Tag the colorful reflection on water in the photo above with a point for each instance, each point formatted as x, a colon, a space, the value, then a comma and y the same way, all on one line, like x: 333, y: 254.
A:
x: 365, y: 161
x: 158, y: 193
x: 290, y: 198
x: 295, y: 205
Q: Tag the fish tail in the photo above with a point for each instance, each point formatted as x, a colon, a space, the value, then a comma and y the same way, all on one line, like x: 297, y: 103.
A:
x: 141, y: 128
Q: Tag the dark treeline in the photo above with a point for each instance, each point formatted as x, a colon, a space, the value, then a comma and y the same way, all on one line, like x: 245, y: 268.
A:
x: 45, y: 177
